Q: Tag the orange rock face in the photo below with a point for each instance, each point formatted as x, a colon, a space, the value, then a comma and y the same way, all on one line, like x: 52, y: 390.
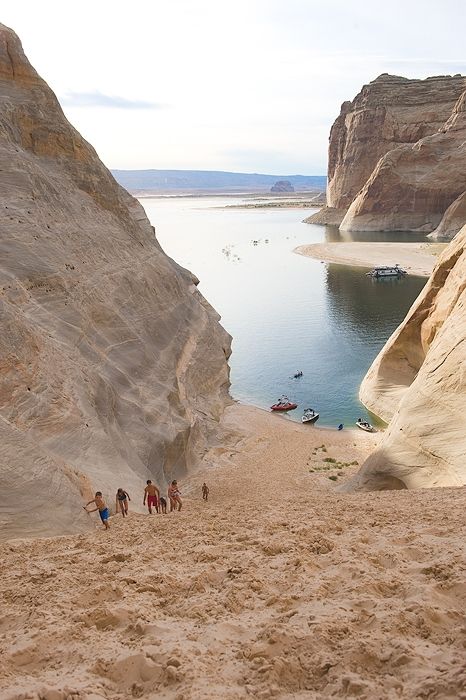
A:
x: 113, y: 368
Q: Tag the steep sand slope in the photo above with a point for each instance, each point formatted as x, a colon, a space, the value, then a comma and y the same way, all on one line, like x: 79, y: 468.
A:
x: 418, y: 382
x: 279, y: 587
x: 112, y: 366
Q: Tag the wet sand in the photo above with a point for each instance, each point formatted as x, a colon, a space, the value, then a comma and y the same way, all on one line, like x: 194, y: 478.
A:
x: 278, y: 587
x: 415, y: 258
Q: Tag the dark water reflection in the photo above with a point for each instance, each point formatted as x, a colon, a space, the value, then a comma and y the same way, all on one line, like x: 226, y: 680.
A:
x: 285, y: 312
x: 334, y: 235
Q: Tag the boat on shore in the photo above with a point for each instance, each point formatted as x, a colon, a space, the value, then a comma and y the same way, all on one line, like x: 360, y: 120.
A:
x: 364, y: 425
x: 284, y: 404
x: 309, y: 416
x: 387, y: 271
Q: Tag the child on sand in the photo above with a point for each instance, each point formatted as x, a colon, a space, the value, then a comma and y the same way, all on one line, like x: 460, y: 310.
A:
x: 101, y: 507
x: 121, y: 503
x: 152, y: 493
x: 175, y: 496
x: 163, y: 505
x: 205, y: 491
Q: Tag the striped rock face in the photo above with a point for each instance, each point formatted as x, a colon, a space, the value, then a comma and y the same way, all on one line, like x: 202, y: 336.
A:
x: 113, y: 368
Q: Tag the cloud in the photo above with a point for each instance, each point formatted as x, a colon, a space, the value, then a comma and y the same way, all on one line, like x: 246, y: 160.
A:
x: 99, y: 99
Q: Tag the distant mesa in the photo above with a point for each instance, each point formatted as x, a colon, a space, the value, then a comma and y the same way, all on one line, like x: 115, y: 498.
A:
x: 282, y: 186
x: 153, y: 182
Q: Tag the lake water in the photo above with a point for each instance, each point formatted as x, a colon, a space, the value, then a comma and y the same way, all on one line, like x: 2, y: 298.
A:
x: 284, y: 311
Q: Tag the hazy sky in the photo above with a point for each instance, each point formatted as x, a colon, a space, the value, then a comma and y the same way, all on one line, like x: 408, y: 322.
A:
x: 242, y: 85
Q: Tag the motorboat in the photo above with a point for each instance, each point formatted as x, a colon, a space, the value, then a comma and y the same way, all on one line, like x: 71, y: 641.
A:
x: 364, y: 425
x: 284, y: 404
x: 387, y: 271
x: 309, y: 416
x: 297, y: 374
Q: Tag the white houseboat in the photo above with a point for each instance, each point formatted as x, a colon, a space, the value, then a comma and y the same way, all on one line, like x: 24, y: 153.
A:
x: 387, y: 271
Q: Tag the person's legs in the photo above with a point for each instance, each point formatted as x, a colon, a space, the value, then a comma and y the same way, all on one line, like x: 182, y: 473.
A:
x: 180, y: 502
x: 104, y: 518
x: 125, y: 507
x: 150, y: 500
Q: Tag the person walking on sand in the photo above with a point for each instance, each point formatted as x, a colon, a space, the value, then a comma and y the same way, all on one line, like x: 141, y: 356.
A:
x: 152, y: 494
x: 175, y: 496
x: 121, y: 502
x: 205, y: 491
x: 101, y: 507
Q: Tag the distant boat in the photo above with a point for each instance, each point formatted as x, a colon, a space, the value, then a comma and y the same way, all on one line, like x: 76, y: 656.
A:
x: 364, y: 425
x: 284, y: 404
x: 297, y: 374
x: 309, y: 416
x: 387, y: 271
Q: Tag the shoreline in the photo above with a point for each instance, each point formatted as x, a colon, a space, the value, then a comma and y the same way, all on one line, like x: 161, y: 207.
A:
x: 416, y: 258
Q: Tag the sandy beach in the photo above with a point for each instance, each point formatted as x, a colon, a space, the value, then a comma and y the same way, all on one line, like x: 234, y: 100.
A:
x: 416, y: 258
x: 278, y: 587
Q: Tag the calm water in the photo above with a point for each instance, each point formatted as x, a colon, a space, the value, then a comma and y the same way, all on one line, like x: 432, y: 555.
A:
x: 285, y: 312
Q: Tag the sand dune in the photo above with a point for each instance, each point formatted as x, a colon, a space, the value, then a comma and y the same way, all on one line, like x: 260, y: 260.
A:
x: 278, y: 587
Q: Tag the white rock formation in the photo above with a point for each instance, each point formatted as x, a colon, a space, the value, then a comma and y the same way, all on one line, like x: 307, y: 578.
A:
x: 112, y: 365
x: 418, y: 383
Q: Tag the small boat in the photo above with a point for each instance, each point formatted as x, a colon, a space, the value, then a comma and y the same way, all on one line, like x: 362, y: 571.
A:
x: 387, y: 271
x: 309, y: 416
x: 364, y: 425
x: 297, y: 374
x: 284, y: 404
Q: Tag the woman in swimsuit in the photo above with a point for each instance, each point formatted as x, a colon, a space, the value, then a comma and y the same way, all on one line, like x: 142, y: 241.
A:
x: 175, y: 496
x: 122, y: 498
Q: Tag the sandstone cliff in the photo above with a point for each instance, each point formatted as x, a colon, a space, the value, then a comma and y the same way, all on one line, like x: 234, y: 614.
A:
x: 412, y: 186
x: 390, y: 111
x: 112, y: 365
x: 418, y: 383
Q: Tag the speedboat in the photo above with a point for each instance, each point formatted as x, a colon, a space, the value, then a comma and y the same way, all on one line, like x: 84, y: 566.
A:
x: 364, y: 425
x: 387, y: 271
x: 284, y: 404
x: 297, y: 374
x: 309, y: 416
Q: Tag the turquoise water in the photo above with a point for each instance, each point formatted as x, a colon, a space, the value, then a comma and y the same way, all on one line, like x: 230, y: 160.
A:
x: 284, y: 311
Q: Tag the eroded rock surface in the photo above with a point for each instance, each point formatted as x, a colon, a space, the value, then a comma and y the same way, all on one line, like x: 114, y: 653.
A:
x: 452, y: 221
x: 112, y: 365
x: 390, y: 111
x: 412, y: 186
x: 418, y: 383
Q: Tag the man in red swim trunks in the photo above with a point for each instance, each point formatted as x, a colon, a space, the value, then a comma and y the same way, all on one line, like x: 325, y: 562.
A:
x: 152, y: 493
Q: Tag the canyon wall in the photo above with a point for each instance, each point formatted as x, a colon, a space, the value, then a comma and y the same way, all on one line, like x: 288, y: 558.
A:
x: 389, y: 112
x: 413, y: 186
x: 113, y: 368
x: 418, y: 383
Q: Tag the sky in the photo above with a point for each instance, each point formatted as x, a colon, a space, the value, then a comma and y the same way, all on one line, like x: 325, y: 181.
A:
x: 243, y: 85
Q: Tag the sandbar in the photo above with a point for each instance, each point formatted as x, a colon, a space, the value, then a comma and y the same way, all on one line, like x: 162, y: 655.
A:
x: 416, y: 258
